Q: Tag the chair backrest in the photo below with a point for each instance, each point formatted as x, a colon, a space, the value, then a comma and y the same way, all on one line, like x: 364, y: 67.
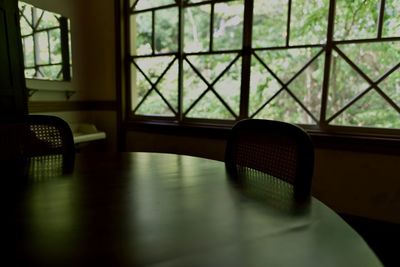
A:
x: 36, y: 136
x: 278, y: 149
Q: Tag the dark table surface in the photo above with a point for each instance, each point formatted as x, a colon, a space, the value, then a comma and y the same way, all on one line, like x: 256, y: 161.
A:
x: 148, y: 209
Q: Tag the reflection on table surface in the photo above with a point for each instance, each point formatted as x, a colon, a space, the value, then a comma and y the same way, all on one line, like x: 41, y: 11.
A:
x: 146, y: 209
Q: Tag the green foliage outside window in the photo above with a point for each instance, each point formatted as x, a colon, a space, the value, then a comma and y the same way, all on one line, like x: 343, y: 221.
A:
x: 45, y: 56
x: 287, y: 69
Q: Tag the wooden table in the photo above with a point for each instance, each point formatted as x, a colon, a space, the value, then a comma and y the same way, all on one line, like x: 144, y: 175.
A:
x: 144, y: 209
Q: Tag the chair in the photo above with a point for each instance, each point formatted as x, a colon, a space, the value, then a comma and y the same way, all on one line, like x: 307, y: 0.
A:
x: 261, y: 150
x: 39, y: 140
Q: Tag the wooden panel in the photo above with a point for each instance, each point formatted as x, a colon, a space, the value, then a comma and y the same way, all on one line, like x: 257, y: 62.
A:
x: 54, y: 106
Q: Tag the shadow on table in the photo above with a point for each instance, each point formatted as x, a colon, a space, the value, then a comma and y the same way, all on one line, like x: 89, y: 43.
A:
x: 269, y: 190
x: 35, y: 169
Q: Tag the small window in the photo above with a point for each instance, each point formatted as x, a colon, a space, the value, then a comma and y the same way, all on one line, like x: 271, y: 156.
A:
x: 46, y: 44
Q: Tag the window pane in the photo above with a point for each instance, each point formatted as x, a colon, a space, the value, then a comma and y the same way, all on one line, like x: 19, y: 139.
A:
x: 209, y: 107
x: 211, y: 66
x: 284, y: 108
x: 307, y: 87
x: 391, y: 86
x: 140, y: 87
x: 50, y: 72
x: 145, y: 4
x: 356, y: 19
x: 196, y: 1
x: 374, y: 59
x: 193, y: 86
x: 370, y: 111
x: 262, y: 86
x: 153, y: 68
x: 308, y: 22
x: 285, y: 63
x: 154, y: 106
x: 391, y: 26
x: 197, y: 28
x: 26, y: 28
x: 48, y: 20
x: 30, y: 73
x: 42, y: 48
x: 166, y: 30
x: 141, y: 28
x: 29, y: 56
x: 228, y: 25
x: 168, y: 86
x: 228, y: 87
x: 269, y: 23
x: 344, y: 84
x: 42, y: 42
x: 55, y: 46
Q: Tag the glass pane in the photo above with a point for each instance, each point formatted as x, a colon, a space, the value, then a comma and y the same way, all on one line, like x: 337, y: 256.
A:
x: 193, y: 86
x: 391, y: 86
x: 50, y: 72
x: 211, y: 66
x: 55, y: 46
x: 29, y: 56
x: 356, y: 19
x: 228, y: 87
x: 269, y: 23
x: 374, y: 59
x: 308, y: 22
x: 26, y: 29
x: 141, y: 34
x: 197, y: 28
x: 209, y: 107
x: 228, y: 25
x: 307, y: 87
x: 262, y: 86
x: 168, y: 86
x: 285, y: 108
x: 42, y: 47
x: 391, y: 26
x: 196, y: 1
x: 344, y: 84
x: 369, y: 111
x: 153, y: 67
x: 286, y: 63
x: 140, y: 87
x: 26, y: 10
x: 166, y: 30
x: 154, y: 106
x: 48, y: 20
x: 145, y: 4
x: 29, y: 73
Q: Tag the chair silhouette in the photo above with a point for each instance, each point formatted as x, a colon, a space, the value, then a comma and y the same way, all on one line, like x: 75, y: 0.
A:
x: 38, y: 141
x: 272, y: 156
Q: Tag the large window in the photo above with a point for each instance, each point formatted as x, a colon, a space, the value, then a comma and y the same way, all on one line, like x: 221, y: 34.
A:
x: 46, y: 44
x: 311, y: 62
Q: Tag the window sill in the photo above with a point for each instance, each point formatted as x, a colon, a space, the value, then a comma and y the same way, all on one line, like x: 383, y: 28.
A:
x: 322, y: 140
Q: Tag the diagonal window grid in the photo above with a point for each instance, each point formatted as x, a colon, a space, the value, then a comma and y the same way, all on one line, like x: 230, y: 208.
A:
x: 210, y: 85
x: 285, y: 85
x: 311, y: 62
x: 153, y: 79
x: 373, y: 85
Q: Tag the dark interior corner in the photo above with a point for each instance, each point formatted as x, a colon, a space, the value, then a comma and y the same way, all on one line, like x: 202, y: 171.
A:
x: 381, y: 236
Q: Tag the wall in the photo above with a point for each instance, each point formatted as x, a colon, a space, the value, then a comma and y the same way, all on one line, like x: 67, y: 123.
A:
x: 93, y: 66
x: 356, y: 183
